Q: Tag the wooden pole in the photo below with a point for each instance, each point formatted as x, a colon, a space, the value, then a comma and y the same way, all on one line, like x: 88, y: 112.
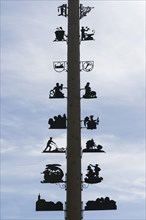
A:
x: 73, y: 206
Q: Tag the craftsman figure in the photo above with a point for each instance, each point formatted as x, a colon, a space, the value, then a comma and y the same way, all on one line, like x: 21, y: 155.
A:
x: 49, y: 144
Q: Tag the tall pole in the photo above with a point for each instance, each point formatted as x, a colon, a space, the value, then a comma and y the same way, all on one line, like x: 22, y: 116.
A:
x: 73, y: 206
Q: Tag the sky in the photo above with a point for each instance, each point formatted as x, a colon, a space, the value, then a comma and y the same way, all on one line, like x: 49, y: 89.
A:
x: 118, y: 77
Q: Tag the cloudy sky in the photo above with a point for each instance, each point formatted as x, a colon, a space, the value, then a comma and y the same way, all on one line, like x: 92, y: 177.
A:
x: 27, y: 76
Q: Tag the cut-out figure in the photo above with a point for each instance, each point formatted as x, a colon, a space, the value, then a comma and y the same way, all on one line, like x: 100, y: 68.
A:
x: 52, y: 174
x: 60, y: 34
x: 90, y: 144
x: 85, y: 35
x: 49, y: 143
x: 56, y: 91
x: 88, y: 92
x: 90, y: 122
x: 63, y: 10
x: 92, y: 176
x: 58, y: 122
x: 84, y: 10
x: 83, y: 32
x: 92, y: 147
x: 43, y: 205
x: 101, y: 204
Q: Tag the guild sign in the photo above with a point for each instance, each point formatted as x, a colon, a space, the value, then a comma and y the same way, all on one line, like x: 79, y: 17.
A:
x: 101, y: 204
x: 84, y: 10
x: 92, y: 147
x: 57, y: 122
x: 52, y: 174
x: 59, y: 66
x: 63, y: 10
x: 87, y: 65
x: 89, y: 94
x: 52, y: 147
x: 92, y: 175
x: 56, y: 92
x: 91, y: 123
x: 60, y: 34
x: 87, y: 34
x: 43, y: 205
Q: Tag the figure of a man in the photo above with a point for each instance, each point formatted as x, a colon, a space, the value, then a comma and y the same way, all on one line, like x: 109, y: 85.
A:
x: 90, y: 144
x: 87, y: 90
x: 50, y: 141
x: 57, y: 90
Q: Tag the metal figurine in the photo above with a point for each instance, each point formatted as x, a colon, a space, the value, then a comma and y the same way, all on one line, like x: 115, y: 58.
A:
x: 57, y: 122
x: 101, y: 204
x: 51, y: 144
x: 60, y: 66
x: 92, y: 147
x: 90, y: 123
x: 52, y: 174
x: 62, y: 10
x: 92, y: 176
x: 87, y: 65
x: 56, y: 92
x: 89, y: 94
x: 84, y: 10
x: 60, y: 34
x: 43, y: 205
x: 85, y: 35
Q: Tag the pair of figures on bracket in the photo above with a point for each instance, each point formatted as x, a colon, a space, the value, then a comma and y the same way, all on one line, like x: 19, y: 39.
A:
x: 54, y: 174
x: 60, y: 122
x: 98, y: 204
x: 83, y: 11
x: 86, y: 34
x: 91, y: 146
x: 56, y: 92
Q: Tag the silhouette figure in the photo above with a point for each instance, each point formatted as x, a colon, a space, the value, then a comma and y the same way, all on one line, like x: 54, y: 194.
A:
x: 62, y: 10
x: 52, y: 174
x: 92, y: 147
x: 42, y: 205
x: 90, y: 144
x: 56, y: 150
x: 88, y: 93
x: 85, y: 35
x: 90, y: 123
x: 56, y: 91
x: 60, y: 34
x: 58, y: 122
x: 49, y: 144
x: 84, y: 10
x: 92, y: 176
x: 101, y: 204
